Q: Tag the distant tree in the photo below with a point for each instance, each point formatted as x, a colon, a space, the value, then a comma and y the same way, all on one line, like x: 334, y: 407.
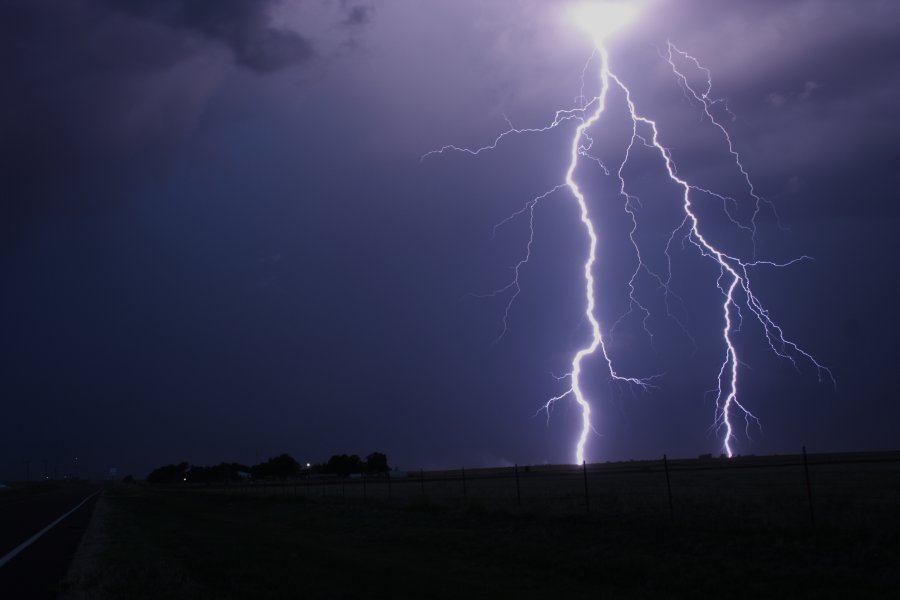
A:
x: 128, y: 479
x: 221, y: 473
x: 377, y: 463
x: 169, y: 473
x: 278, y: 467
x: 344, y: 464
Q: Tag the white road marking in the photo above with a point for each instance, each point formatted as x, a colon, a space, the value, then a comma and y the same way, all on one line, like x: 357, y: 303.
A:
x: 15, y: 551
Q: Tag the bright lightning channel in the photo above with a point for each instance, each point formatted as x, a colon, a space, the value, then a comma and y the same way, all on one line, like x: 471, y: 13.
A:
x: 733, y: 281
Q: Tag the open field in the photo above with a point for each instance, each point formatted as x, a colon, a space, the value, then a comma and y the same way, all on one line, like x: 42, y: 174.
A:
x: 853, y: 491
x: 747, y: 540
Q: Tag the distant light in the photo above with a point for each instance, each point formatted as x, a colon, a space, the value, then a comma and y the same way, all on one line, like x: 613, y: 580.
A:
x: 185, y: 479
x: 602, y: 18
x: 307, y: 465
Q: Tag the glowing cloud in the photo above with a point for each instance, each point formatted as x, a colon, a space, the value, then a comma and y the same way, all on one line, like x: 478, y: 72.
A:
x: 600, y: 19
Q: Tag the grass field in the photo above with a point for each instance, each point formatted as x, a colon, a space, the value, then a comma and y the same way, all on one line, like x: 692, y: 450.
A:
x: 851, y: 491
x: 157, y: 543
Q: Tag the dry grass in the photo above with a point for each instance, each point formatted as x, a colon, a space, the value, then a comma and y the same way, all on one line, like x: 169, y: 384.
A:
x: 147, y: 543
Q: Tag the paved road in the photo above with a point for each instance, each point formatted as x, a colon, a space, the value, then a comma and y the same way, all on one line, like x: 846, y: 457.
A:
x: 36, y: 571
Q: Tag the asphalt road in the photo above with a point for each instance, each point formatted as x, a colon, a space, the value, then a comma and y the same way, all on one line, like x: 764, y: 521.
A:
x: 35, y: 573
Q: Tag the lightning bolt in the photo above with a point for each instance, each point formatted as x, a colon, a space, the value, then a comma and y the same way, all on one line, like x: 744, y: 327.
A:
x: 734, y: 274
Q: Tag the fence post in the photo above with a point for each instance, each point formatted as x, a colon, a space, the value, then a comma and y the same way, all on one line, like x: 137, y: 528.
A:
x: 364, y: 487
x: 465, y: 491
x: 518, y: 489
x: 390, y: 495
x: 422, y: 482
x: 587, y: 496
x: 344, y: 489
x: 812, y: 516
x: 668, y: 486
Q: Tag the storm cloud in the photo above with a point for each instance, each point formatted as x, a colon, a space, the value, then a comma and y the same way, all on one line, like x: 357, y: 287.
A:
x: 216, y: 219
x: 244, y: 27
x: 96, y: 91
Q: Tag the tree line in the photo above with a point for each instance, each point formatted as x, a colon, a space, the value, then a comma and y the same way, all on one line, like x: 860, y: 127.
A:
x: 282, y: 466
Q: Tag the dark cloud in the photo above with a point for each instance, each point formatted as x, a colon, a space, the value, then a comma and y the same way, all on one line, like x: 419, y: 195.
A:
x: 274, y: 262
x: 83, y: 90
x: 244, y: 27
x: 96, y: 93
x: 357, y: 15
x: 813, y: 85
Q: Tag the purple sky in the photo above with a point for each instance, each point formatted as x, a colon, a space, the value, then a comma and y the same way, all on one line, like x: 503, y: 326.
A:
x: 219, y: 242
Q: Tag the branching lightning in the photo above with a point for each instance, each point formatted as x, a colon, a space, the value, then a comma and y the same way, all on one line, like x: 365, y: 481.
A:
x: 734, y: 273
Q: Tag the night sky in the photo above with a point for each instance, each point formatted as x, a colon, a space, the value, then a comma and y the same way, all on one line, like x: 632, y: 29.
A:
x: 219, y: 241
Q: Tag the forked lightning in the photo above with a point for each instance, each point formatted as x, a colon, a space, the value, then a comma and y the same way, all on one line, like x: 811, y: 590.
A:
x: 734, y: 273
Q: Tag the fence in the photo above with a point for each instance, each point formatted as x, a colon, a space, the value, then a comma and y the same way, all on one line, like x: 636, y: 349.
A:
x: 853, y: 490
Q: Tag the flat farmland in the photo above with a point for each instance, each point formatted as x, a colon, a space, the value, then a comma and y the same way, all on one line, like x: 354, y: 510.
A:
x: 858, y: 490
x: 740, y: 528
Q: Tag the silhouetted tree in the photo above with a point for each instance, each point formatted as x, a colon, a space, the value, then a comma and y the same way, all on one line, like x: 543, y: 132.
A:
x: 278, y: 467
x: 282, y: 466
x: 377, y: 463
x: 343, y: 464
x: 221, y: 473
x: 169, y: 473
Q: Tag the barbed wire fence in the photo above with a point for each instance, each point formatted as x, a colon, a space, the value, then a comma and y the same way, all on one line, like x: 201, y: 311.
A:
x: 837, y: 490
